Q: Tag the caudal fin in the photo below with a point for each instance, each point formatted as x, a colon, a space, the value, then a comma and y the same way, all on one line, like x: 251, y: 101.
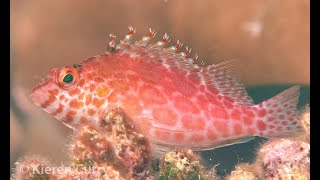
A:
x: 281, y: 115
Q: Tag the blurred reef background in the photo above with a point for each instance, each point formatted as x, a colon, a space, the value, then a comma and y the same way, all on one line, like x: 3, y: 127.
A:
x: 271, y: 39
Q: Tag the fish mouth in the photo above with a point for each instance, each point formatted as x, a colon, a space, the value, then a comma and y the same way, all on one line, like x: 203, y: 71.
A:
x: 40, y: 95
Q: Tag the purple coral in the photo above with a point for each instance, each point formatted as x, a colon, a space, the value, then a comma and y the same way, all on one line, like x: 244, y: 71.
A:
x: 283, y: 158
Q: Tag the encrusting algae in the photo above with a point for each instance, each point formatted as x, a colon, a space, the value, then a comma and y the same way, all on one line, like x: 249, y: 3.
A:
x: 243, y: 172
x: 184, y: 164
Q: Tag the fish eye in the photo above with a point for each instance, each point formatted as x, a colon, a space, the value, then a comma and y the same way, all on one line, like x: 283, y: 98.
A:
x: 67, y: 77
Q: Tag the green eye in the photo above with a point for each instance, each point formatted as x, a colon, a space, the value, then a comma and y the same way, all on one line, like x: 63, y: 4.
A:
x: 68, y: 78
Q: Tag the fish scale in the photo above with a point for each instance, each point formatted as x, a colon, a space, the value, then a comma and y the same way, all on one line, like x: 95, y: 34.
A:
x: 175, y: 101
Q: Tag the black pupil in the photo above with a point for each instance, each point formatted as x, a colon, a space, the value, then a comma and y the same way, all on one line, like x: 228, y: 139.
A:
x: 68, y: 78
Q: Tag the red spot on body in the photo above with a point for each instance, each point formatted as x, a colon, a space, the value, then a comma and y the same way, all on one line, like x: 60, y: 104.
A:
x: 261, y: 125
x: 53, y: 92
x: 80, y: 97
x: 50, y: 100
x: 262, y: 113
x: 270, y: 119
x: 91, y: 112
x: 91, y: 75
x: 212, y: 135
x: 92, y: 87
x: 183, y: 103
x: 271, y: 132
x: 202, y: 102
x: 75, y: 104
x: 88, y: 99
x: 291, y: 119
x: 97, y: 102
x: 62, y: 97
x: 271, y: 126
x: 236, y: 114
x: 270, y: 111
x: 131, y: 105
x: 237, y: 129
x: 288, y: 128
x: 98, y: 80
x: 284, y: 122
x: 165, y: 116
x: 202, y: 88
x: 179, y: 136
x: 189, y: 122
x: 279, y: 110
x: 59, y: 110
x: 221, y: 127
x: 152, y: 96
x: 248, y: 120
x: 288, y: 112
x: 279, y: 128
x: 251, y: 131
x: 162, y: 135
x: 81, y: 83
x: 250, y: 114
x: 281, y: 116
x: 196, y: 138
x: 228, y: 104
x: 70, y: 116
x: 83, y: 120
x: 74, y: 92
x: 218, y: 112
x: 212, y: 98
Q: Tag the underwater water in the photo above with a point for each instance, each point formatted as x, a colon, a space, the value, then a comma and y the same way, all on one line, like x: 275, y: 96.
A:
x: 262, y: 35
x: 227, y: 157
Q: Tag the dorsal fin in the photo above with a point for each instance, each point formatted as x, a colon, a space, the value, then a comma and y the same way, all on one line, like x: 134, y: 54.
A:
x: 225, y: 77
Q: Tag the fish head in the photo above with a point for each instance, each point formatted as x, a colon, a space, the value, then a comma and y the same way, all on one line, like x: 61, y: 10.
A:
x: 63, y: 94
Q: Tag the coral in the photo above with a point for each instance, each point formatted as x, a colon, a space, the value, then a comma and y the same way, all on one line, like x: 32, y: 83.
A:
x: 116, y: 142
x: 113, y: 150
x: 183, y: 164
x: 243, y: 172
x: 284, y: 158
x: 305, y: 121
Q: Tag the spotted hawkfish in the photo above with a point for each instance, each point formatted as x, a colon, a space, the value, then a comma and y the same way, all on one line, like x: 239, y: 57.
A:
x: 174, y: 99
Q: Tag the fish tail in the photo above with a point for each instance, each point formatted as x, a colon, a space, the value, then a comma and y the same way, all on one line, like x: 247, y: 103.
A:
x: 279, y: 116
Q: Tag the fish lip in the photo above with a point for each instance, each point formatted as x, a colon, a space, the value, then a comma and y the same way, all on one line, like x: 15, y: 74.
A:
x: 38, y: 93
x: 34, y: 96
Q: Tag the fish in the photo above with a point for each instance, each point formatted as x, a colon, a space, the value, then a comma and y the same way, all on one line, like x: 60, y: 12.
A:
x: 174, y: 99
